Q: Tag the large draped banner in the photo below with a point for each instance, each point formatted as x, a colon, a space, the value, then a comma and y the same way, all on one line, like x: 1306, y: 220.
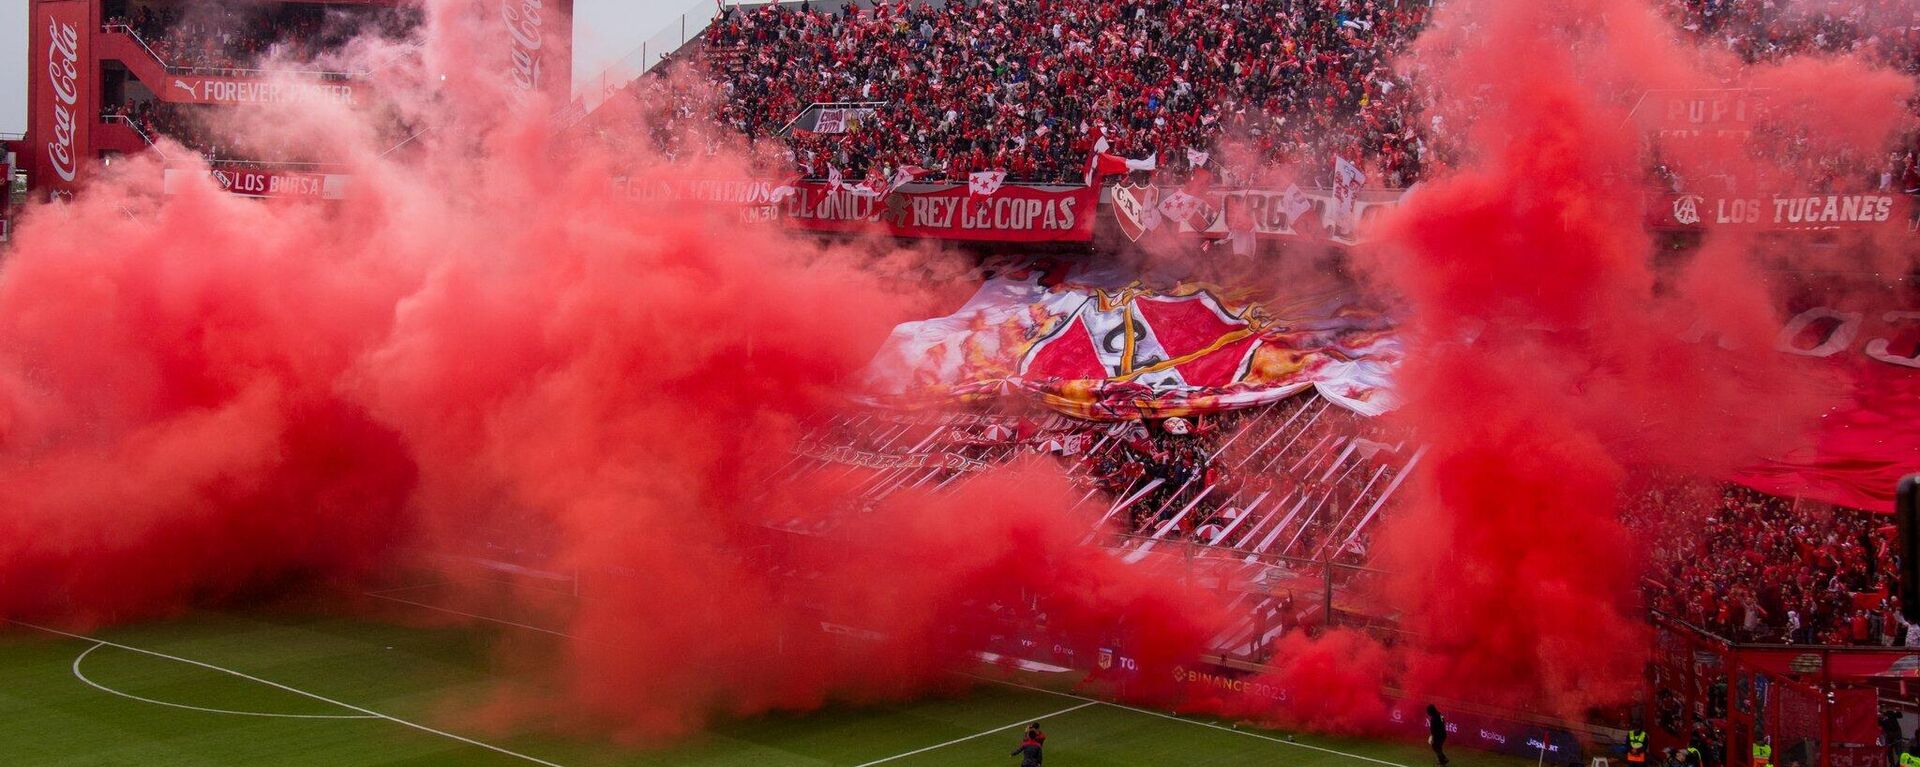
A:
x: 1266, y: 213
x: 1862, y: 448
x: 1096, y: 346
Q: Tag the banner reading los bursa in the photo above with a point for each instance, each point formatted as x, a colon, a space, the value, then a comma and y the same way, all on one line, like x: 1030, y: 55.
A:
x: 948, y: 212
x: 270, y: 183
x: 62, y: 100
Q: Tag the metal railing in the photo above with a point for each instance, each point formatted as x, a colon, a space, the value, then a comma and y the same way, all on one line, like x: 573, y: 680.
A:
x: 674, y: 35
x: 212, y: 156
x: 128, y: 121
x: 227, y: 71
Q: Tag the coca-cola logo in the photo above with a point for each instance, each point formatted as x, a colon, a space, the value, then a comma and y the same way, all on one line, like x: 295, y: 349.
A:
x: 63, y: 73
x: 523, y: 19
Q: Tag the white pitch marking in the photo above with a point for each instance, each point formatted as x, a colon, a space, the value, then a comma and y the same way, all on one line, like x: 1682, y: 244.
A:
x: 297, y: 691
x: 103, y: 688
x: 1210, y: 725
x: 979, y: 734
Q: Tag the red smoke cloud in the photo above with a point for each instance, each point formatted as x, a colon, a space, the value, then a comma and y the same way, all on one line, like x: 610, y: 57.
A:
x: 203, y: 396
x: 1546, y: 357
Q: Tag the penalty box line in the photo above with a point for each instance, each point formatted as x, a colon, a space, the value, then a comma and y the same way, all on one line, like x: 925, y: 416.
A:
x: 1195, y: 722
x: 1002, y: 728
x: 296, y: 691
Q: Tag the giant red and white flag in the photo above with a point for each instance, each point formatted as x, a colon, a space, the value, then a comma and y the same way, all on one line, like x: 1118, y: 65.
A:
x: 985, y: 182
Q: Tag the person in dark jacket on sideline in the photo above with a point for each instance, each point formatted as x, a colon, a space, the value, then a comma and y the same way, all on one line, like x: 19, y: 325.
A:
x: 1029, y: 753
x: 1034, y: 734
x: 1437, y: 734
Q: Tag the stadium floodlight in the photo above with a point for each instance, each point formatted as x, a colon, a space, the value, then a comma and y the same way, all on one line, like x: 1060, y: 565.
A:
x: 1906, y: 506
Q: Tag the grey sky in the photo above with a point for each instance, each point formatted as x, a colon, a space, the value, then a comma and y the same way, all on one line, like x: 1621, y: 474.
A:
x: 604, y: 31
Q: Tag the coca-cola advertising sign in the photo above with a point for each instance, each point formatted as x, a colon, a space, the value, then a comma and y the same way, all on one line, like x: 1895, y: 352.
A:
x: 537, y: 33
x: 62, y: 97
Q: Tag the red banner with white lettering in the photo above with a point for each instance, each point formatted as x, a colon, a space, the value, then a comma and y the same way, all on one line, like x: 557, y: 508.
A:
x: 1779, y: 212
x: 254, y: 182
x: 63, y: 104
x: 1862, y: 448
x: 202, y: 89
x: 949, y: 212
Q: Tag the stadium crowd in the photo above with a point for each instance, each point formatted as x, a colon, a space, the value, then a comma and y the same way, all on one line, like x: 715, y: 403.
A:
x: 1250, y: 85
x: 228, y: 37
x: 1259, y: 84
x: 1023, y: 86
x: 1758, y: 569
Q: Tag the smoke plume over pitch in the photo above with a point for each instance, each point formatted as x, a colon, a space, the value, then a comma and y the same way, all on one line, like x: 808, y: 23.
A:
x: 204, y: 397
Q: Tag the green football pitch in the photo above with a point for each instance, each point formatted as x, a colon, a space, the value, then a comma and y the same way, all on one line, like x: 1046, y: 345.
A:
x: 286, y: 686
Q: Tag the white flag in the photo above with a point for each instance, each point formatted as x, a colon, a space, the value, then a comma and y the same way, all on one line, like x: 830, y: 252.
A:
x: 1347, y: 174
x: 984, y: 183
x: 1294, y: 203
x: 834, y: 181
x: 1179, y: 207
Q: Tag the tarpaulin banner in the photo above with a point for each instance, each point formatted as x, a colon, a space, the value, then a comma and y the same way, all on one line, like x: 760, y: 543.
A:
x: 1677, y: 116
x: 204, y: 89
x: 1266, y: 213
x: 63, y: 101
x: 1862, y: 449
x: 1779, y: 212
x: 948, y: 212
x: 1094, y: 344
x: 251, y: 182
